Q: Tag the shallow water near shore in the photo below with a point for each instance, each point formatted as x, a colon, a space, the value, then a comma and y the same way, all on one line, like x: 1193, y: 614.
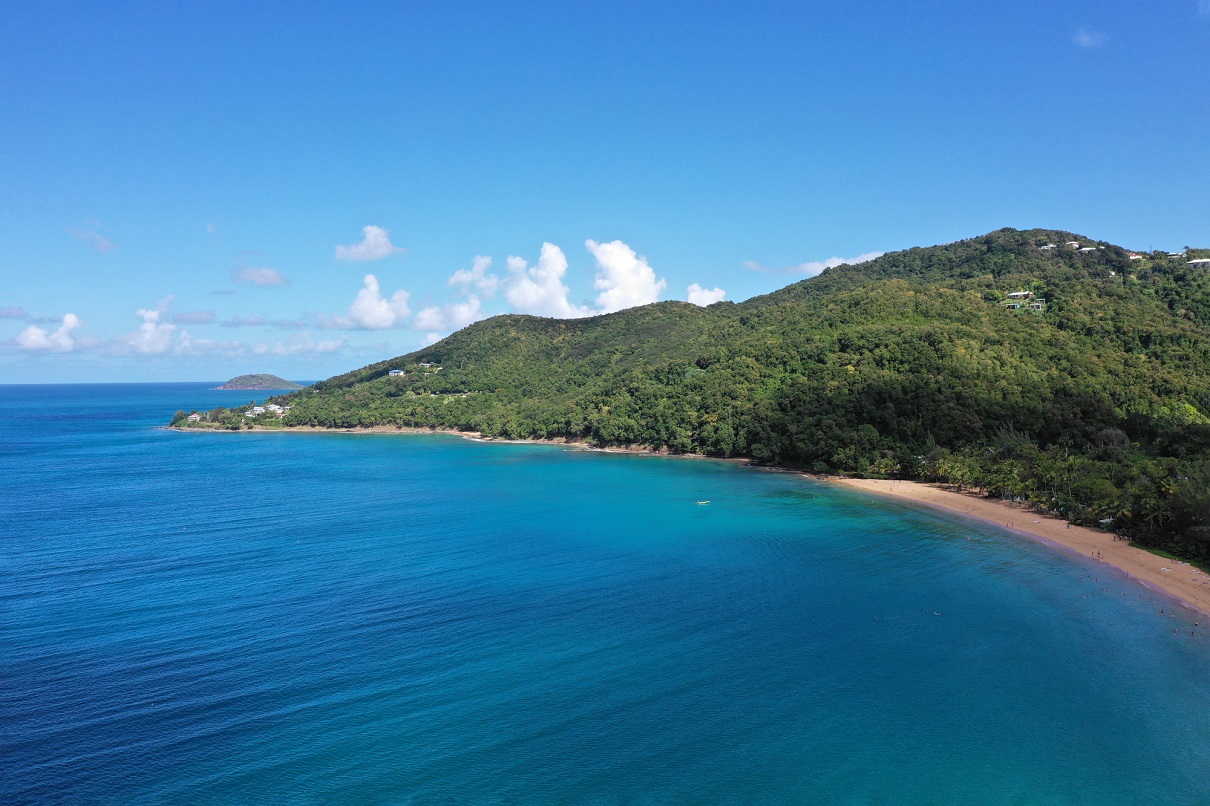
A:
x: 259, y: 617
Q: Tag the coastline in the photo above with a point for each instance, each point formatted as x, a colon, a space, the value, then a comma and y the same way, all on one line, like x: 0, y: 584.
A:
x: 1186, y: 583
x: 1176, y: 578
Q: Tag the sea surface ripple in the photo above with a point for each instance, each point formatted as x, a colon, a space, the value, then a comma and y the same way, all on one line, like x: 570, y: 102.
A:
x: 316, y: 618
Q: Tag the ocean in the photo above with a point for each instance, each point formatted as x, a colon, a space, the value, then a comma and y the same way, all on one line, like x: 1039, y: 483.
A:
x: 326, y: 617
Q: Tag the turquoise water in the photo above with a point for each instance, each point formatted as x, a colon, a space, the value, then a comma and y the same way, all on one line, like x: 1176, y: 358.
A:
x: 424, y: 619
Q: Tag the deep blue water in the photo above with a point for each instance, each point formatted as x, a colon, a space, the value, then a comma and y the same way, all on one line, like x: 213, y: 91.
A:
x: 247, y: 618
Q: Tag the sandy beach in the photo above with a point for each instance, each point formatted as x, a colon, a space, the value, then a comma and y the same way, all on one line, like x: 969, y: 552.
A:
x: 1185, y: 582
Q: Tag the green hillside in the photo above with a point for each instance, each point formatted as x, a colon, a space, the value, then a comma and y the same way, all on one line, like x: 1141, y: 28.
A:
x: 259, y: 382
x: 1096, y: 404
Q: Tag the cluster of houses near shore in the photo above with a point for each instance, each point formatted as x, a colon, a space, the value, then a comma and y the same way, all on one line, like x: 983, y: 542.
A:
x: 268, y: 408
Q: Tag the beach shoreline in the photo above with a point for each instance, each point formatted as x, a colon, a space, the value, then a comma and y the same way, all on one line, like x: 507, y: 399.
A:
x: 1186, y: 583
x: 1179, y: 580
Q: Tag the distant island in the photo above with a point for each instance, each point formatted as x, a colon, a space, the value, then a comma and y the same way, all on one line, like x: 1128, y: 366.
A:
x: 257, y: 382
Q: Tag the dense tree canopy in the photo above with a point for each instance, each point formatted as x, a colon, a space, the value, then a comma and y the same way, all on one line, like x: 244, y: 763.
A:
x: 1095, y: 405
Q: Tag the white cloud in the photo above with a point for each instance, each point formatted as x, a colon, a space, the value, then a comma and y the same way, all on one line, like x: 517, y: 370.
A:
x: 245, y: 321
x: 540, y: 290
x: 13, y: 312
x: 193, y: 318
x: 153, y: 336
x: 430, y: 338
x: 299, y: 344
x: 260, y: 275
x: 187, y: 345
x: 705, y: 296
x: 752, y: 265
x: 625, y: 279
x: 814, y: 267
x: 60, y: 341
x: 428, y: 318
x: 90, y: 235
x: 303, y: 322
x: 371, y: 310
x: 454, y: 316
x: 1088, y: 39
x: 375, y: 245
x: 476, y: 276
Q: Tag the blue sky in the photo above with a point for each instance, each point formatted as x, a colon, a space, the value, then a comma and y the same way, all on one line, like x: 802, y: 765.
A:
x: 194, y: 191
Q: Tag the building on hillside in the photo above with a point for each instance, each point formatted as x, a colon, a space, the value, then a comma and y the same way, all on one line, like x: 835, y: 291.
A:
x: 1088, y: 249
x: 398, y: 373
x: 1020, y: 295
x: 1073, y: 244
x: 193, y: 418
x: 1176, y: 254
x: 1134, y: 256
x: 1046, y: 246
x: 1204, y: 262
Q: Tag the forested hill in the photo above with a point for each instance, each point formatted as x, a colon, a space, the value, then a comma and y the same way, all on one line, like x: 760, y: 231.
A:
x: 1087, y: 392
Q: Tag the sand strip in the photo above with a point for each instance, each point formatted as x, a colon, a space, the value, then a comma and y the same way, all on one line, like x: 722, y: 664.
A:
x: 1178, y: 579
